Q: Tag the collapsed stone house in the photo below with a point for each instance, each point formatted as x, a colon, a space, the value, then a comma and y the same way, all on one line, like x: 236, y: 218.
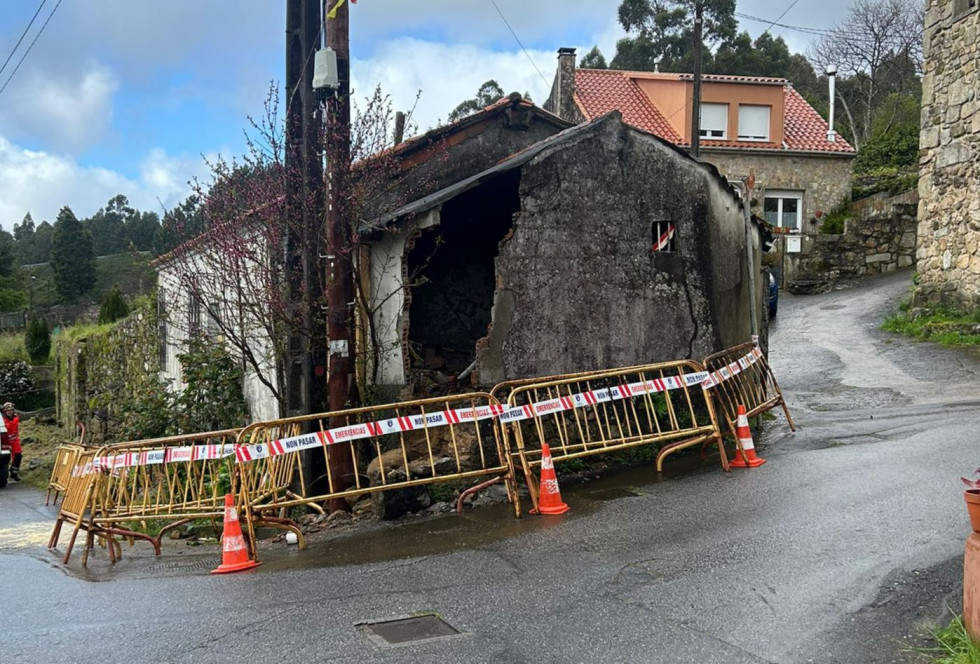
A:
x: 948, y: 251
x: 599, y: 246
x: 750, y: 125
x: 530, y: 247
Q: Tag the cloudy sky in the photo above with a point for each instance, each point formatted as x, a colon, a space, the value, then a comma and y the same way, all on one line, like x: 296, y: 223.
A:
x: 130, y: 96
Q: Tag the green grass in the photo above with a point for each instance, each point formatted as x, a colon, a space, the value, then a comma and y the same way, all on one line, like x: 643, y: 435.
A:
x: 12, y: 346
x: 943, y: 326
x: 953, y: 646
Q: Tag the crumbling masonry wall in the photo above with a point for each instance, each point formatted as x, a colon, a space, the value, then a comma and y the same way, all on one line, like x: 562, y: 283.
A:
x: 949, y: 185
x: 578, y: 286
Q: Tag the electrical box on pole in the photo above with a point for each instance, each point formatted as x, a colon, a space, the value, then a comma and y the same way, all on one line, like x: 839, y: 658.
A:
x: 325, y: 73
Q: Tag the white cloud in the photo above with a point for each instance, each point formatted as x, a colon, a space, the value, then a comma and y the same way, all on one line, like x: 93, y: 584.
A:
x: 41, y: 183
x: 448, y: 74
x: 71, y: 110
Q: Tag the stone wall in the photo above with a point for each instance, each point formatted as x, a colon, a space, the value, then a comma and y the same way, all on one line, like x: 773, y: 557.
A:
x: 825, y: 181
x: 578, y: 285
x: 880, y: 239
x: 949, y: 184
x: 98, y: 370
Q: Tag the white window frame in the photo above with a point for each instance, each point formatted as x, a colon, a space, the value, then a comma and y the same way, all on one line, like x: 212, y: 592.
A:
x: 713, y: 132
x: 781, y: 195
x: 743, y: 134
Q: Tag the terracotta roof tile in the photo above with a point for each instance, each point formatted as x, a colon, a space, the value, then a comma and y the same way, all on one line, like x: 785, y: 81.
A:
x: 599, y: 91
x: 804, y: 129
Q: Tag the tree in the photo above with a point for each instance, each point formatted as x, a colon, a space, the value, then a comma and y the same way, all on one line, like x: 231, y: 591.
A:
x: 179, y: 223
x: 662, y: 32
x: 12, y: 296
x: 593, y: 60
x: 877, y: 50
x: 24, y: 230
x: 72, y: 259
x: 37, y: 340
x: 488, y: 93
x: 40, y: 249
x: 113, y: 307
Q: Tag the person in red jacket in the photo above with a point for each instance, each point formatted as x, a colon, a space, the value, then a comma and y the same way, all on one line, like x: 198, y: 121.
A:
x: 11, y: 421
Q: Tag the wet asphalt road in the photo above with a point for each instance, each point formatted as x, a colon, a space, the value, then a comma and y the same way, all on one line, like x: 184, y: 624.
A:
x: 847, y: 541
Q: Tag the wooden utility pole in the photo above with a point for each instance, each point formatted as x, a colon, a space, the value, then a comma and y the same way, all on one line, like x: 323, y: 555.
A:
x: 696, y: 101
x: 339, y: 241
x: 304, y: 197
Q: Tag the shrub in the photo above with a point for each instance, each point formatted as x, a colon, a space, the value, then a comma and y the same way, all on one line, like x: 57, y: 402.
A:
x: 113, y: 307
x: 213, y: 398
x: 37, y: 340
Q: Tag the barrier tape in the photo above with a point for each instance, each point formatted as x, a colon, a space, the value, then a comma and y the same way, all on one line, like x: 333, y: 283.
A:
x: 733, y: 369
x: 504, y: 413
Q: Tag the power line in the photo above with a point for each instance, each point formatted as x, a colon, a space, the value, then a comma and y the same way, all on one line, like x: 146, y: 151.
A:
x: 811, y: 31
x: 785, y: 11
x: 22, y: 35
x: 21, y: 61
x: 494, y: 3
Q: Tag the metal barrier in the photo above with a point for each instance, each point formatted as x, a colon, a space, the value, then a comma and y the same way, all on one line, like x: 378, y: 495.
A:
x: 76, y: 504
x: 65, y: 459
x: 144, y: 489
x: 392, y: 446
x: 742, y: 376
x: 585, y: 414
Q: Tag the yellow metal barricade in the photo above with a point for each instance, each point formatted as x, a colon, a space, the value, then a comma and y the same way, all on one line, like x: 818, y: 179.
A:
x: 585, y: 414
x: 65, y: 459
x: 742, y: 376
x: 392, y: 446
x: 143, y: 489
x: 76, y: 504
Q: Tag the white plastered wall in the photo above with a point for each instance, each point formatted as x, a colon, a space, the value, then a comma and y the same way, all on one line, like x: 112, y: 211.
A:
x: 387, y: 293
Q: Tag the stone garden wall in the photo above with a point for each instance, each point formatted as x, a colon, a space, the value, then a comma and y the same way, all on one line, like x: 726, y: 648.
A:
x: 880, y: 239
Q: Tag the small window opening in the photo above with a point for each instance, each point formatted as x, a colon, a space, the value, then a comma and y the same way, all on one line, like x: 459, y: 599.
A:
x: 664, y: 237
x: 193, y: 315
x: 961, y: 7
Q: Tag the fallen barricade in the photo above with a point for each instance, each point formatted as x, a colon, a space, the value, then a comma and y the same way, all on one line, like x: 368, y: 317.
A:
x: 741, y: 376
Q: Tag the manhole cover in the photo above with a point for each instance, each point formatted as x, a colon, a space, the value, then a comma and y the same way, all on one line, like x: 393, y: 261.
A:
x: 408, y: 629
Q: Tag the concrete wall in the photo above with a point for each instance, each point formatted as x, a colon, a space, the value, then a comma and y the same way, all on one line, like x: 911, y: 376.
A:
x: 578, y: 285
x: 949, y: 184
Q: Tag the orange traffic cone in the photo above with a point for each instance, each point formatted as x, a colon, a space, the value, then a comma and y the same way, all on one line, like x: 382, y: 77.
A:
x: 234, y: 555
x: 549, y: 497
x: 745, y: 445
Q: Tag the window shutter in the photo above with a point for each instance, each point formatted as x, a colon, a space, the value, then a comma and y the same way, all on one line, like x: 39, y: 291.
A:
x: 753, y: 123
x: 714, y: 121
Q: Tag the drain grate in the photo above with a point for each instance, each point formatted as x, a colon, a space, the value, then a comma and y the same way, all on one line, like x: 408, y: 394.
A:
x: 408, y: 629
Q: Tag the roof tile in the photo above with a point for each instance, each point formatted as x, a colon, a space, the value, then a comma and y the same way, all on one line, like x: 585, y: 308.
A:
x: 599, y: 91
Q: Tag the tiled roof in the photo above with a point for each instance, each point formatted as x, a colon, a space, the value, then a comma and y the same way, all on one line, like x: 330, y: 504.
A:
x: 598, y: 91
x: 804, y: 129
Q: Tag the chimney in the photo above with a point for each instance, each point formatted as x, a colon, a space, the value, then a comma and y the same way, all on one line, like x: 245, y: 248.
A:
x: 399, y: 127
x: 831, y: 81
x: 561, y: 101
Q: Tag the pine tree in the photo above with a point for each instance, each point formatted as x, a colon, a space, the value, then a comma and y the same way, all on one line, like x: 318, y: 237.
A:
x: 113, y: 307
x: 37, y: 340
x: 72, y: 258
